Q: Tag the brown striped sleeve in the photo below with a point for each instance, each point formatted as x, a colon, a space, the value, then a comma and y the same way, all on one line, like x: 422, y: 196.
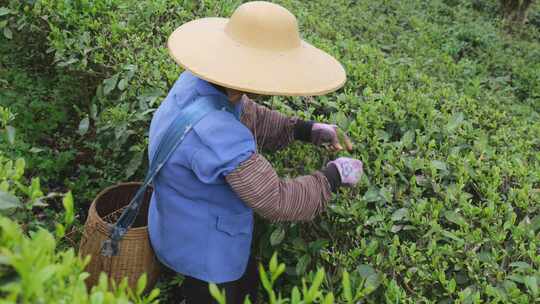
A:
x: 272, y: 130
x: 298, y: 199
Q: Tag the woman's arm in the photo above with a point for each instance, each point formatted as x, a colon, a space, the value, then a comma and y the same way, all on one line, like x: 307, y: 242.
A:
x: 299, y: 199
x: 273, y: 130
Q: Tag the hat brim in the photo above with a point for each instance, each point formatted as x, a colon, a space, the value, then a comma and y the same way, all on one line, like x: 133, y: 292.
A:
x: 202, y: 47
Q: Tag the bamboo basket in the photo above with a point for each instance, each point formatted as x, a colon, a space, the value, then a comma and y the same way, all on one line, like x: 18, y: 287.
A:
x: 136, y: 255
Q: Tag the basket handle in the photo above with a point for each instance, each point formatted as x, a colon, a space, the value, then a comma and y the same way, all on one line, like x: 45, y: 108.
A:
x: 173, y: 136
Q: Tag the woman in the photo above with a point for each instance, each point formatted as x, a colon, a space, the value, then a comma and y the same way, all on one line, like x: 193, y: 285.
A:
x: 201, y: 213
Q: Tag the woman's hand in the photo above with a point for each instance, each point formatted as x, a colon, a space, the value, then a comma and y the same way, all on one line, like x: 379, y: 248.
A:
x: 331, y: 135
x: 350, y: 170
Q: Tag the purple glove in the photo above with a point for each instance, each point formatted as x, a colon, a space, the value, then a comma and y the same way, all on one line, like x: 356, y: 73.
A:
x: 350, y: 170
x: 322, y: 133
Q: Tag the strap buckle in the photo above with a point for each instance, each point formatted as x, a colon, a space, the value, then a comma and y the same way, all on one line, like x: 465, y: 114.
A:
x: 109, y: 248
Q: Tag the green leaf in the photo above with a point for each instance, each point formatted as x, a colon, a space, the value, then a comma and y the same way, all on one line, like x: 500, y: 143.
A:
x: 373, y: 282
x: 295, y: 295
x: 36, y: 150
x: 365, y: 270
x: 69, y: 214
x: 400, y: 214
x: 4, y: 260
x: 9, y: 201
x: 264, y: 279
x: 109, y: 84
x: 216, y: 293
x: 83, y: 126
x: 134, y: 164
x: 273, y: 263
x: 520, y: 265
x: 346, y: 283
x: 60, y: 230
x: 10, y: 134
x: 532, y: 284
x: 440, y: 165
x: 141, y: 284
x: 455, y: 218
x: 396, y: 228
x: 329, y: 299
x: 153, y: 294
x: 122, y: 84
x: 302, y: 264
x: 63, y: 64
x: 4, y: 11
x: 280, y: 270
x: 372, y: 195
x: 317, y: 282
x: 452, y: 236
x: 451, y: 285
x: 535, y: 223
x: 277, y: 236
x: 8, y: 33
x: 20, y: 164
x: 455, y: 122
x: 407, y: 139
x: 372, y: 277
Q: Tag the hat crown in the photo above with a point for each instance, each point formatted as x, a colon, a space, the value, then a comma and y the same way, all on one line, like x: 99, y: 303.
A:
x: 264, y: 25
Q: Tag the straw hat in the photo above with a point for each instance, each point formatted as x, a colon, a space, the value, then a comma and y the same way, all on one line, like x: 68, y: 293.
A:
x: 257, y: 50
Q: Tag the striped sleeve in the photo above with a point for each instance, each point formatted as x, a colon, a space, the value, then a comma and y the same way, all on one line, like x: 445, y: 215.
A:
x: 272, y: 130
x: 298, y: 199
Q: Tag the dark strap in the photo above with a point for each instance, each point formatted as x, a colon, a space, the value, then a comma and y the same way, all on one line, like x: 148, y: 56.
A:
x: 173, y: 136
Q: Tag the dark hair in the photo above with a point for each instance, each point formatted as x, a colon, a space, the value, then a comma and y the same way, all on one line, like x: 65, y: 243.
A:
x: 220, y: 88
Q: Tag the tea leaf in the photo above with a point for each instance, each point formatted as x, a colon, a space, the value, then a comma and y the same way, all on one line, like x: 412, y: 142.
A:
x: 9, y: 201
x: 83, y: 126
x: 455, y: 218
x: 400, y: 214
x: 67, y: 202
x: 8, y: 33
x: 109, y: 84
x: 455, y: 122
x: 4, y: 11
x: 10, y: 134
x: 277, y: 236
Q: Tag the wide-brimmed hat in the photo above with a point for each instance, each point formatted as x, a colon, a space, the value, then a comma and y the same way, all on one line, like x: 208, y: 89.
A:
x: 257, y: 50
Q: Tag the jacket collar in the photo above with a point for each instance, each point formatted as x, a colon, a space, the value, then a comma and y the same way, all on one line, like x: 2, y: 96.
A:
x: 205, y: 88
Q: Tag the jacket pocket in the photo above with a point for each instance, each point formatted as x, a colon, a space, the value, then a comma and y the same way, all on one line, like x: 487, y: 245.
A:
x: 236, y: 224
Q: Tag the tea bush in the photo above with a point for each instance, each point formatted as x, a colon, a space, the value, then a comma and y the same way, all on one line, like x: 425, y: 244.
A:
x: 32, y: 269
x: 441, y: 102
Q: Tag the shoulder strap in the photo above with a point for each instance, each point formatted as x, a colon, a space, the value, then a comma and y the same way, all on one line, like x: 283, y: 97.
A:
x: 171, y: 139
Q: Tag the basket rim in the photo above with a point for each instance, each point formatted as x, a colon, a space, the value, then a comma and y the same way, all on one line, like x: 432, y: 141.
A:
x: 104, y: 226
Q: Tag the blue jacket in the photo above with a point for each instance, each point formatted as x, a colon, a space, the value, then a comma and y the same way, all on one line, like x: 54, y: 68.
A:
x: 198, y: 226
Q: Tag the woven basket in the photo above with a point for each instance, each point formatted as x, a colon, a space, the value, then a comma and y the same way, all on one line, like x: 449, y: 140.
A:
x: 136, y: 255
